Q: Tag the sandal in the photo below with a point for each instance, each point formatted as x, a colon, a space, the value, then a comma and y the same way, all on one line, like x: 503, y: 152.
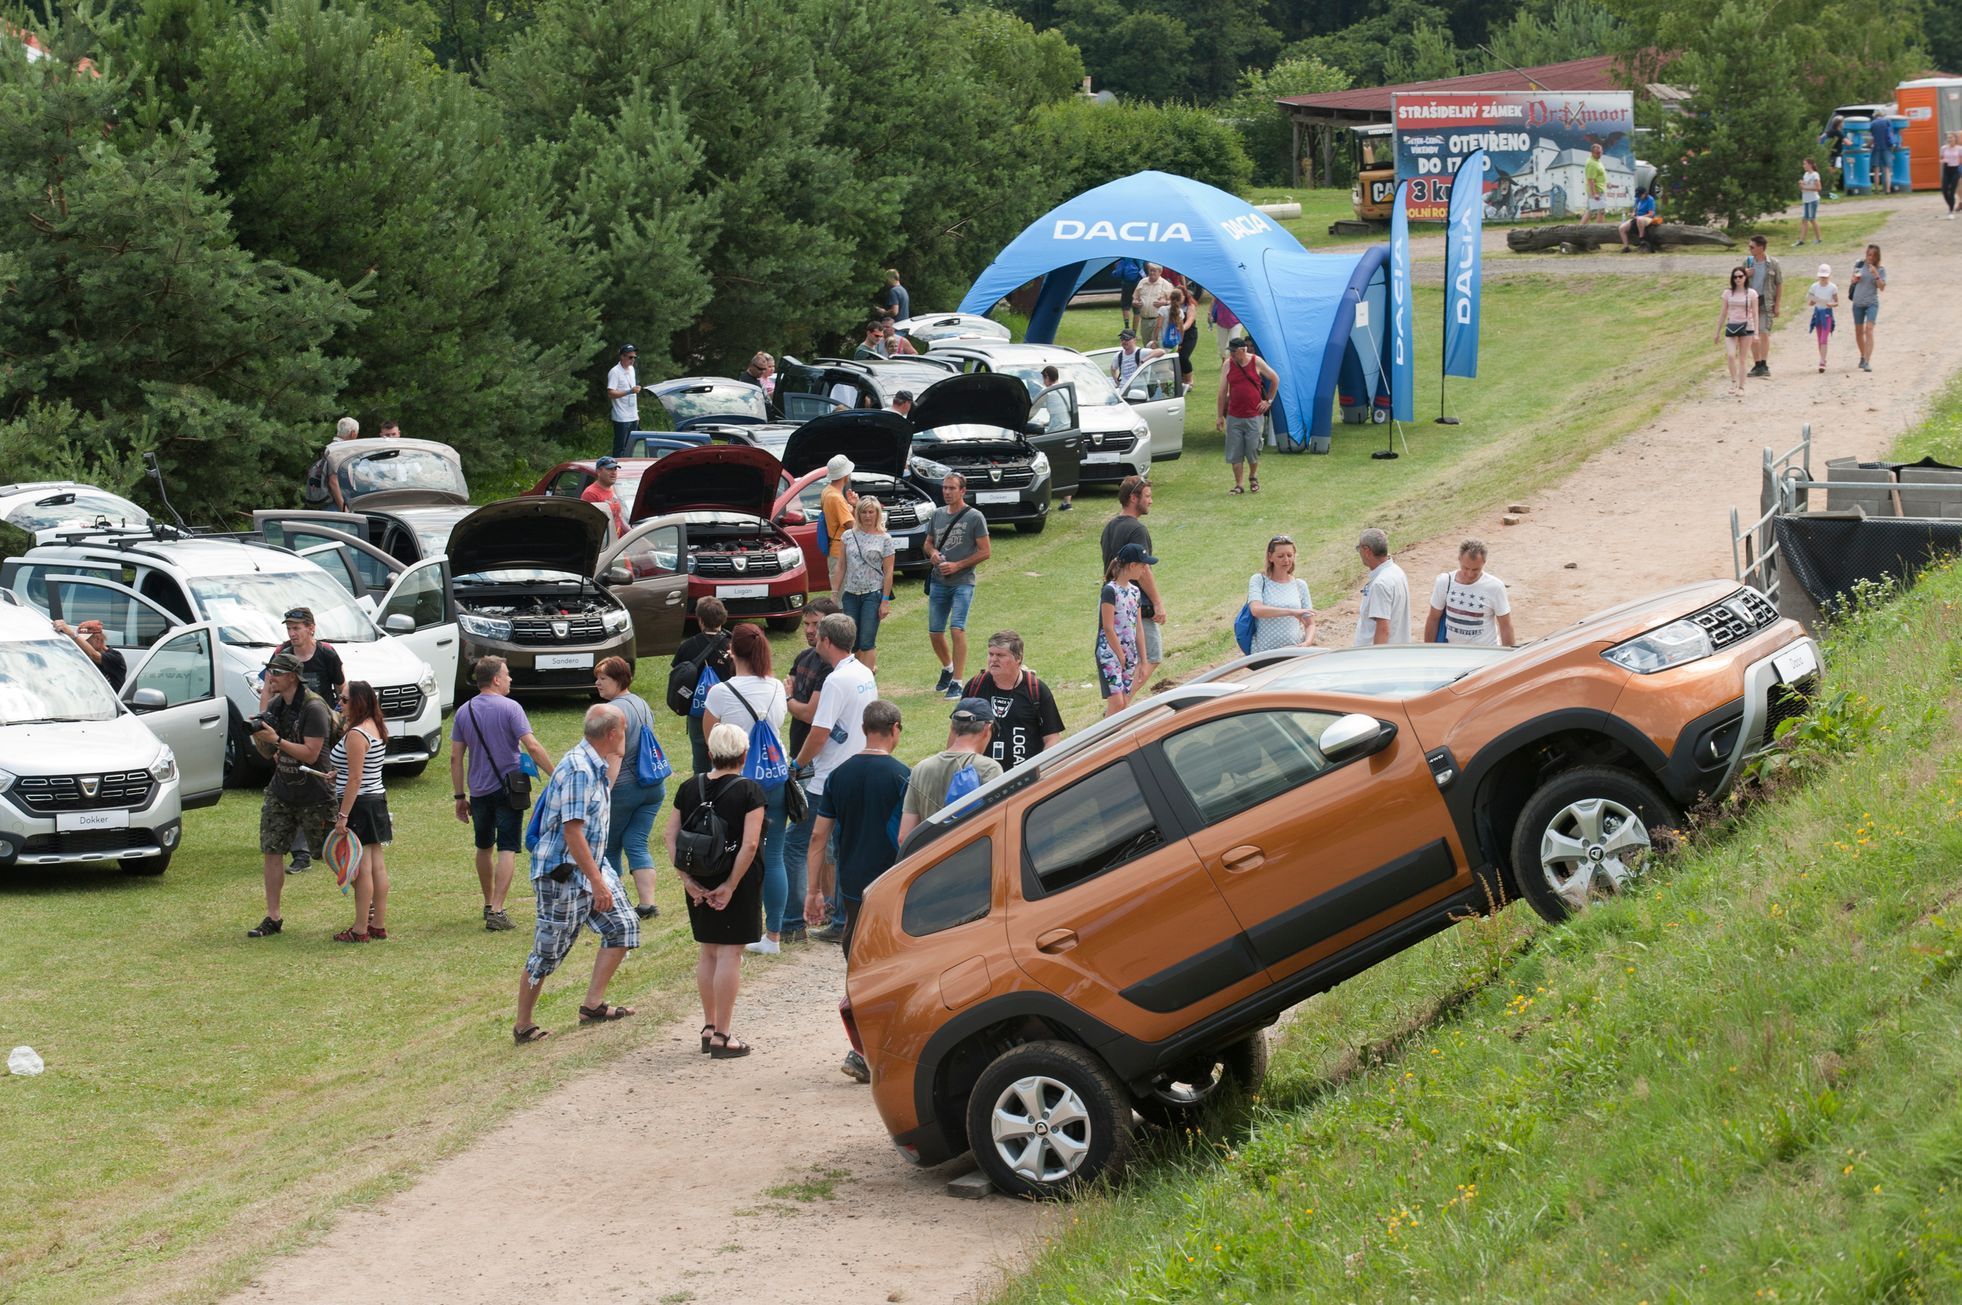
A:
x: 351, y: 935
x: 532, y: 1034
x: 1236, y: 490
x: 378, y: 933
x: 1253, y: 484
x: 729, y: 1048
x: 708, y: 1032
x: 603, y: 1013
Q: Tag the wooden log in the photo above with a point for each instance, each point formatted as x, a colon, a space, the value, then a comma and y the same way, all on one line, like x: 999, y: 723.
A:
x: 1594, y: 235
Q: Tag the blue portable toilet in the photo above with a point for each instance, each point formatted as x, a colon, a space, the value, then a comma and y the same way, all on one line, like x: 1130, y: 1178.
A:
x: 1856, y: 155
x: 1903, y: 176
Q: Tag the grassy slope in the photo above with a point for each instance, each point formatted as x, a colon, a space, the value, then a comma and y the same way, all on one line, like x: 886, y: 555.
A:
x: 1738, y: 1083
x: 210, y: 1099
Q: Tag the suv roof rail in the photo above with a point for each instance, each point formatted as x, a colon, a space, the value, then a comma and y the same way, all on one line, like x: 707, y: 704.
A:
x: 1255, y: 661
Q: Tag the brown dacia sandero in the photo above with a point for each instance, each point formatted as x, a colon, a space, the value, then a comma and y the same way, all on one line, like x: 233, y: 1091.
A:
x: 1111, y: 927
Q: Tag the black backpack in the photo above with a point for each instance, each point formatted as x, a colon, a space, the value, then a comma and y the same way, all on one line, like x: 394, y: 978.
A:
x: 701, y: 848
x: 685, y: 675
x: 316, y: 493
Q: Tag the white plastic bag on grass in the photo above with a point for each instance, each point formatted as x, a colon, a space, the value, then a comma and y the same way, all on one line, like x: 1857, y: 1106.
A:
x: 24, y: 1060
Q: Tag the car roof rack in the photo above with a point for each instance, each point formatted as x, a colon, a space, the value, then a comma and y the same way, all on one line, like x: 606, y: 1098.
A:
x: 1255, y: 661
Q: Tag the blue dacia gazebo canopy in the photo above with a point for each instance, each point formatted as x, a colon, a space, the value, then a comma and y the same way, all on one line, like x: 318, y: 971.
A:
x: 1301, y: 309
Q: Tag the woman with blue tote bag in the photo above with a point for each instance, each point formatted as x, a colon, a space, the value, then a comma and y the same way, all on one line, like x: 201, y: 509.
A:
x: 643, y: 782
x: 753, y: 701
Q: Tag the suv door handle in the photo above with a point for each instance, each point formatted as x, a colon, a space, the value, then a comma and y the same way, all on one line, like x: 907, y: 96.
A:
x: 1056, y: 940
x: 1243, y: 858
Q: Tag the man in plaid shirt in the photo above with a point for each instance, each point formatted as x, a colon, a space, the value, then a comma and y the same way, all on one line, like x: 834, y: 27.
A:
x: 573, y: 883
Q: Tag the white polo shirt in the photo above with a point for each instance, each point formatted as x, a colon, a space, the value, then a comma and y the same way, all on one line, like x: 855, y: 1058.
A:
x: 841, y: 712
x: 627, y: 406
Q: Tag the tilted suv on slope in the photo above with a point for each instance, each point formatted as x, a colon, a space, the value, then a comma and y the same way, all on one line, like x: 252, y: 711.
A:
x: 1114, y: 925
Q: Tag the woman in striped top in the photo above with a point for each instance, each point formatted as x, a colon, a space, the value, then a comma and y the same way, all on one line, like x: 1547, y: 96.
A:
x: 362, y: 807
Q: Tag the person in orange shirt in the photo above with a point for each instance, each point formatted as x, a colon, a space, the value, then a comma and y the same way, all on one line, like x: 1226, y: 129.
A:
x: 838, y: 503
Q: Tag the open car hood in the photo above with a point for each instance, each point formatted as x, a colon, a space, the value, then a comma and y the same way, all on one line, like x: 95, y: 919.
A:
x: 397, y: 473
x: 980, y: 399
x: 733, y: 477
x: 542, y: 532
x: 875, y: 441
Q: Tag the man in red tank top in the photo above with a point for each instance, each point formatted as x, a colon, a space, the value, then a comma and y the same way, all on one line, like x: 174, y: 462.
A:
x: 1246, y: 392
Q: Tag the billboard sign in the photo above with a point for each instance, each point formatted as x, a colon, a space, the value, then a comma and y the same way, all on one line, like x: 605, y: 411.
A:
x: 1537, y: 145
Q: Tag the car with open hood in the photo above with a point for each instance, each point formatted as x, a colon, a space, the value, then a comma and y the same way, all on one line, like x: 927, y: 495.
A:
x: 1111, y: 927
x: 924, y: 328
x: 145, y: 585
x: 982, y: 427
x: 706, y: 514
x: 380, y: 473
x: 88, y: 774
x: 879, y: 445
x: 690, y: 401
x: 524, y: 579
x: 1123, y: 434
x: 36, y: 511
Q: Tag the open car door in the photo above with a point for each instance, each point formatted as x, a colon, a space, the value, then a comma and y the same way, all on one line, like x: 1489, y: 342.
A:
x: 1059, y: 435
x: 363, y: 570
x: 174, y: 689
x: 1155, y: 393
x: 420, y: 610
x: 643, y: 569
x: 129, y: 620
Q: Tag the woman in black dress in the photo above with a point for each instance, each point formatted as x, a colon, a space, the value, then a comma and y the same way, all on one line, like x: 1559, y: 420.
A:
x: 726, y: 914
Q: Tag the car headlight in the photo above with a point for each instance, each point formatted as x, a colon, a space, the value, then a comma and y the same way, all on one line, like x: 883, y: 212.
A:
x: 618, y: 621
x: 164, y: 768
x: 427, y: 682
x: 789, y: 558
x: 1140, y: 430
x: 7, y: 779
x: 930, y: 469
x: 1675, y: 644
x: 484, y: 627
x: 1040, y: 464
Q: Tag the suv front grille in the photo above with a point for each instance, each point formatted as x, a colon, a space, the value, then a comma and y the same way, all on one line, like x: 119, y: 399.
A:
x: 400, y: 701
x: 901, y: 514
x: 722, y: 566
x: 1736, y: 618
x: 1118, y: 442
x: 1785, y: 702
x: 540, y: 629
x: 980, y: 473
x: 49, y: 794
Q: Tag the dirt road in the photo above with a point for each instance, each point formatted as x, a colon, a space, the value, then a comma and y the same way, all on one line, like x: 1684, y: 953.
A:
x: 662, y: 1150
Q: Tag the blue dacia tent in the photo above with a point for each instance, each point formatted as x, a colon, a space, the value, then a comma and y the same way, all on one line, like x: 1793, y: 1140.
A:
x: 1302, y: 309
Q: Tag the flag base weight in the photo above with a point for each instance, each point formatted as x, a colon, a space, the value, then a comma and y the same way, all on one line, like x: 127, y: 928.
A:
x: 1446, y: 421
x: 1384, y: 455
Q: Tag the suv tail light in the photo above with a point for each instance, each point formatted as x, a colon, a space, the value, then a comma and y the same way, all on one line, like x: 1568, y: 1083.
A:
x: 851, y: 1025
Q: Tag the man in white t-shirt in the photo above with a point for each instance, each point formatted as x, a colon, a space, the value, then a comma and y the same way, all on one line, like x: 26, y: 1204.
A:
x: 1385, y: 614
x: 1471, y: 605
x: 623, y: 390
x: 837, y: 726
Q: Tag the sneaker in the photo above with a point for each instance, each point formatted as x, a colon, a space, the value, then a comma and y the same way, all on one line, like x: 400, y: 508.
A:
x: 830, y: 933
x: 647, y: 910
x: 1760, y: 369
x: 763, y: 947
x: 1799, y: 245
x: 302, y: 862
x: 498, y: 922
x: 1863, y: 365
x: 1067, y: 504
x: 946, y: 678
x: 855, y: 1068
x: 266, y: 928
x: 953, y: 692
x: 793, y: 933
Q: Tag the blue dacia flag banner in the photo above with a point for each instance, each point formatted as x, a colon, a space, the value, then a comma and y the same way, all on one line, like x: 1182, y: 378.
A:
x: 1403, y: 358
x: 1463, y: 233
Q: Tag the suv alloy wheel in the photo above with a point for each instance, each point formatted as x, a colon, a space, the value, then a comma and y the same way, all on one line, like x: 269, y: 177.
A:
x: 1184, y: 1095
x: 1047, y: 1118
x: 1584, y: 832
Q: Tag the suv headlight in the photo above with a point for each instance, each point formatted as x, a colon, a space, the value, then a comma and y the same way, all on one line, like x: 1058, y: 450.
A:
x: 931, y: 470
x: 789, y: 558
x: 164, y: 768
x: 1675, y: 644
x: 7, y: 779
x: 618, y: 621
x: 1040, y: 464
x: 484, y: 627
x: 427, y: 683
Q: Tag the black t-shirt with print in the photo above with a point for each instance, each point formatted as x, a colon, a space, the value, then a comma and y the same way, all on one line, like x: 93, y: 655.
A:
x: 1022, y: 718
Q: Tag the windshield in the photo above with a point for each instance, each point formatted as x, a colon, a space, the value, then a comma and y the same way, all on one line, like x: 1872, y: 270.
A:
x: 51, y: 679
x: 1404, y: 671
x: 387, y: 469
x: 249, y: 609
x: 737, y: 398
x: 76, y: 507
x: 1093, y: 384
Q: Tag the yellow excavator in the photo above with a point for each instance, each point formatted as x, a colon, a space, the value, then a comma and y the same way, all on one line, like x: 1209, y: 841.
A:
x: 1375, y: 190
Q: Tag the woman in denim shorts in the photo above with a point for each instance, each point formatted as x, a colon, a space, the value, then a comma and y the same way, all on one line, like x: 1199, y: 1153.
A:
x: 861, y: 575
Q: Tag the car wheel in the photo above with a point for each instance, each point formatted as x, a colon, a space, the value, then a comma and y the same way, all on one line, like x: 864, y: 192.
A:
x: 244, y: 767
x: 1047, y: 1118
x: 785, y: 624
x: 1187, y: 1093
x: 1585, y: 833
x: 1031, y: 527
x: 144, y: 865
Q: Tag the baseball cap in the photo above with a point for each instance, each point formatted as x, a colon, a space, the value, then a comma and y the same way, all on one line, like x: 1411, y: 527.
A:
x: 284, y: 664
x: 973, y: 709
x: 1136, y: 553
x: 628, y: 348
x: 1127, y: 335
x: 838, y: 468
x: 1240, y: 342
x: 904, y: 396
x: 607, y: 461
x: 299, y: 614
x: 1825, y: 269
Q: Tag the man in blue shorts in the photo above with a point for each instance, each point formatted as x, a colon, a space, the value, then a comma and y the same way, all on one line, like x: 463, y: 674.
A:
x: 956, y: 543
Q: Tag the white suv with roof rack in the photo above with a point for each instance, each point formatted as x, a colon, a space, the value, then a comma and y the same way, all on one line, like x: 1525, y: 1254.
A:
x: 144, y: 586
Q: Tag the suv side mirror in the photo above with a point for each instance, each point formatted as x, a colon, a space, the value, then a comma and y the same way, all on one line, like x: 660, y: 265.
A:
x: 1355, y: 735
x: 148, y: 700
x: 1137, y: 393
x: 618, y: 575
x: 794, y: 517
x: 399, y: 623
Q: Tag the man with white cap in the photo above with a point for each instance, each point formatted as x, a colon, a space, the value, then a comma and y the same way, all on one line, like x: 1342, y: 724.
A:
x: 838, y: 503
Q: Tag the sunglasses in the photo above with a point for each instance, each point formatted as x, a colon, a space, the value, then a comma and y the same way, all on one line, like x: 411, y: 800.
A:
x: 1278, y: 540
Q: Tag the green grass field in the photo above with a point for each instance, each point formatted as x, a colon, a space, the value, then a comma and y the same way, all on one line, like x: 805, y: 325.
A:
x: 210, y: 1100
x: 1737, y: 1083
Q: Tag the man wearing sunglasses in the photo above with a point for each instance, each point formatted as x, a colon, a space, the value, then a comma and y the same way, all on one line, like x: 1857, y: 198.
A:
x: 320, y: 671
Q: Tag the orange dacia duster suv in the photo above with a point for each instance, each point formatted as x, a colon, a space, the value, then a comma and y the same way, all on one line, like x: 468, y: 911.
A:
x: 1111, y: 927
